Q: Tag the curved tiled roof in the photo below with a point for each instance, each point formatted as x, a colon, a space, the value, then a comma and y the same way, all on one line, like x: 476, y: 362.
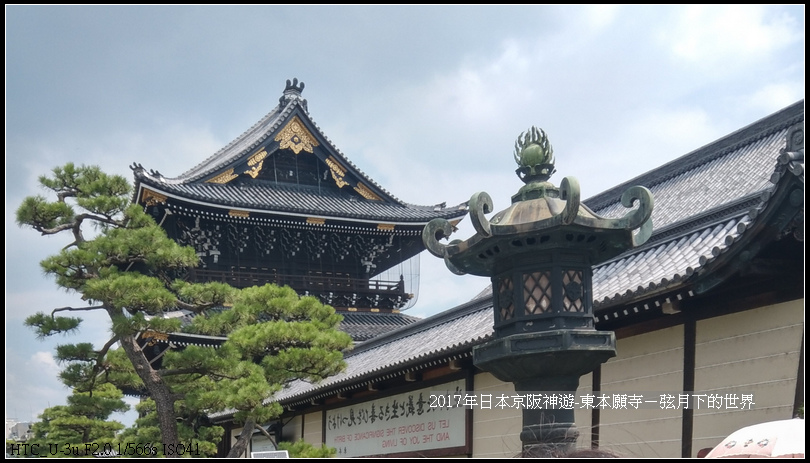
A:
x: 291, y: 199
x: 736, y: 174
x: 459, y: 328
x: 362, y: 326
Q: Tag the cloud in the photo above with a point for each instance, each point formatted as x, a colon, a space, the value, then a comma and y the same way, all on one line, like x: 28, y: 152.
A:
x: 600, y: 16
x: 44, y: 359
x: 775, y: 96
x: 730, y: 35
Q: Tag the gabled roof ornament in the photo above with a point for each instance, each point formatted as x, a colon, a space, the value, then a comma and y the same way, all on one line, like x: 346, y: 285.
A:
x: 294, y: 86
x: 293, y: 91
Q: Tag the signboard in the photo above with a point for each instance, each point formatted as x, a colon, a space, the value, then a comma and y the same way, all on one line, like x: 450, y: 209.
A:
x: 396, y: 424
x: 270, y: 454
x: 260, y: 443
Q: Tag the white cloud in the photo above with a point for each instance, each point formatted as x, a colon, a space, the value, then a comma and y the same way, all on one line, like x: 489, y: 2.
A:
x: 600, y: 16
x: 723, y: 35
x: 44, y: 359
x: 775, y: 96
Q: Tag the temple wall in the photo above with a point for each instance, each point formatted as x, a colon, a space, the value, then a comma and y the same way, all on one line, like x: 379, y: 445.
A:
x: 313, y: 428
x: 291, y: 432
x: 753, y: 352
x: 650, y: 362
x: 495, y: 432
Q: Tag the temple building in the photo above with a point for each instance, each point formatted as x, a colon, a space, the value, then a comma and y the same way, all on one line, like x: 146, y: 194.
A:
x: 281, y: 204
x: 708, y: 313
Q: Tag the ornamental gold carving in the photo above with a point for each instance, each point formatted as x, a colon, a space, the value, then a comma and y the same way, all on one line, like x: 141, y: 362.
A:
x: 223, y: 178
x: 296, y: 137
x: 255, y: 163
x: 257, y: 158
x: 316, y: 220
x: 154, y: 337
x: 366, y: 193
x: 385, y: 226
x: 338, y: 172
x: 238, y: 213
x: 150, y: 198
x: 254, y: 171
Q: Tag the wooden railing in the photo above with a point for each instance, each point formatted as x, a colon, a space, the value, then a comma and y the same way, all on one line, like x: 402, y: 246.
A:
x: 316, y: 284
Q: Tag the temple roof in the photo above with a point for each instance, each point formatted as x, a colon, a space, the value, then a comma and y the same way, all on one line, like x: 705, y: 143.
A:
x: 713, y: 206
x: 303, y: 201
x: 361, y: 326
x: 242, y: 175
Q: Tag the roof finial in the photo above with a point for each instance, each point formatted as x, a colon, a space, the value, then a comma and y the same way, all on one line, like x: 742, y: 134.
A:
x: 293, y: 86
x: 292, y: 92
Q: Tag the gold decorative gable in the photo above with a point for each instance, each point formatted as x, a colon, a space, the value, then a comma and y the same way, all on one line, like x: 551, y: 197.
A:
x: 338, y: 171
x: 150, y: 198
x: 238, y: 213
x: 296, y: 137
x: 255, y: 163
x: 366, y: 193
x: 224, y: 177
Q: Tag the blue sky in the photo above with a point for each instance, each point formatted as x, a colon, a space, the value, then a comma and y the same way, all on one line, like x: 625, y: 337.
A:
x: 428, y: 101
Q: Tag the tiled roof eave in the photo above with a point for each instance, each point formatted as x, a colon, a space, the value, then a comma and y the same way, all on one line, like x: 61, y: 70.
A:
x: 381, y: 374
x: 777, y: 209
x: 720, y: 262
x: 735, y: 209
x: 409, y: 216
x: 350, y: 383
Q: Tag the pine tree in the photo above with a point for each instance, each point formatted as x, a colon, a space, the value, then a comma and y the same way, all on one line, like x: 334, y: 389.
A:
x: 128, y: 269
x: 64, y: 430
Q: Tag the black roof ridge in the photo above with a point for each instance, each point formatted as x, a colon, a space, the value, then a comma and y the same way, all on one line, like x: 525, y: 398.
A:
x: 765, y: 126
x: 424, y: 324
x: 276, y: 113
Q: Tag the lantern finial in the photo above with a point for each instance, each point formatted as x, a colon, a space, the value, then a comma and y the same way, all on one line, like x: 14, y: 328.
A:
x: 534, y: 156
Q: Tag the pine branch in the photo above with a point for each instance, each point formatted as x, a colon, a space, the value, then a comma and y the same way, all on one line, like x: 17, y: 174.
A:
x: 76, y: 225
x: 97, y: 368
x: 267, y: 434
x: 75, y: 309
x: 181, y: 371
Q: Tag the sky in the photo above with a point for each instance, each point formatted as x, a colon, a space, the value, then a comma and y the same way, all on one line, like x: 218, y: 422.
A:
x: 427, y: 101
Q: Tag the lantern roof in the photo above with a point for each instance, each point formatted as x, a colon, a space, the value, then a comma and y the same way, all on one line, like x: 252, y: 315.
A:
x: 541, y: 217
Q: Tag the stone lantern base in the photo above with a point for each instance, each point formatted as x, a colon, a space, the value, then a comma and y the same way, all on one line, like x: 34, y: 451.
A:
x: 543, y: 363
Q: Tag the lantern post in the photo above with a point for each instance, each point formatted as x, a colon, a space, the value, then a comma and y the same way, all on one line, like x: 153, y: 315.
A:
x: 539, y: 254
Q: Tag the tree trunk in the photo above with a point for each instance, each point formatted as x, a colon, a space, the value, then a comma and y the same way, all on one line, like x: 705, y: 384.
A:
x: 158, y: 391
x: 240, y: 446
